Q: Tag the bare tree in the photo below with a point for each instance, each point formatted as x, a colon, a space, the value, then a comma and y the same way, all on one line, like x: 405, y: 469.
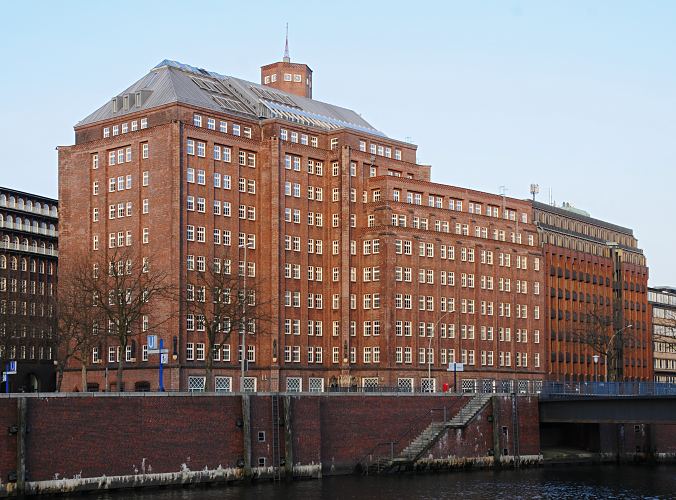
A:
x: 597, y: 331
x: 77, y: 321
x: 123, y: 289
x: 221, y: 304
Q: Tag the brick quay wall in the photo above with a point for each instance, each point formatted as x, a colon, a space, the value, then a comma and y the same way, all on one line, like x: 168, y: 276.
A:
x: 70, y: 442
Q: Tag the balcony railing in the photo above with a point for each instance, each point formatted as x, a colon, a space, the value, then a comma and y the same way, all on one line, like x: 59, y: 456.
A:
x: 29, y: 229
x: 20, y: 247
x: 33, y: 210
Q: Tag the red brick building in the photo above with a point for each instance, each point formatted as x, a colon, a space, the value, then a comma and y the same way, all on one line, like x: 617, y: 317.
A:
x: 597, y: 298
x: 368, y: 273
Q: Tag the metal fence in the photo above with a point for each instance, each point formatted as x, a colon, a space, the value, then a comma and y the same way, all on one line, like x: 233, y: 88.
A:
x: 576, y: 389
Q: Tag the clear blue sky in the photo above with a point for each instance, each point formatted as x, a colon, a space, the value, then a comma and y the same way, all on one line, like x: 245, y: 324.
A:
x: 579, y: 97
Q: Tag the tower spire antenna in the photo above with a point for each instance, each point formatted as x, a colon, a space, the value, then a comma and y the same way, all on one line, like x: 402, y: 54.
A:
x: 286, y: 58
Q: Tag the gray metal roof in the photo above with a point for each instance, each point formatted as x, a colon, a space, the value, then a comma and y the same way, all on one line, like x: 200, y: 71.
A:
x: 582, y: 218
x: 174, y: 82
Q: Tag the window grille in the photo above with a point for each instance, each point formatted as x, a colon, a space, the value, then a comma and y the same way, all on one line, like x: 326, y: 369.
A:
x: 428, y: 385
x: 294, y: 384
x: 249, y: 384
x: 196, y: 384
x: 316, y: 384
x: 405, y: 384
x: 223, y: 384
x: 469, y: 385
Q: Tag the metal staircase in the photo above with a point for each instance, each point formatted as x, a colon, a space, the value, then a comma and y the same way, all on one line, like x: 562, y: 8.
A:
x: 429, y: 436
x: 468, y: 411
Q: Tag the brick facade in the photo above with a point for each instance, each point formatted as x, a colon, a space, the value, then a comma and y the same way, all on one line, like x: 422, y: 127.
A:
x: 597, y: 300
x: 366, y: 272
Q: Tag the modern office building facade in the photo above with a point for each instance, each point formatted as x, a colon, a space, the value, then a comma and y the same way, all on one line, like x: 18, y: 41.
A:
x: 663, y: 303
x: 28, y: 269
x: 365, y: 272
x: 598, y: 322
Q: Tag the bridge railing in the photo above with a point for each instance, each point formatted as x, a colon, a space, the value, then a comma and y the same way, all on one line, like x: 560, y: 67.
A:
x: 575, y: 389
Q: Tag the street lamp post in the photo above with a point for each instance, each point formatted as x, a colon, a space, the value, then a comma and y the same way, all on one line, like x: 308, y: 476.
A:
x: 429, y: 348
x: 610, y: 343
x: 596, y: 367
x: 246, y: 246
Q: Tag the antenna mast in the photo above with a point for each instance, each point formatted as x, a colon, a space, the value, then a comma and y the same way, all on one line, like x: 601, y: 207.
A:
x: 286, y: 57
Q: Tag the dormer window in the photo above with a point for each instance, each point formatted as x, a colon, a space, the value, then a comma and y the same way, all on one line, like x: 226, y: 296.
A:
x: 125, y: 102
x: 114, y: 104
x: 137, y: 99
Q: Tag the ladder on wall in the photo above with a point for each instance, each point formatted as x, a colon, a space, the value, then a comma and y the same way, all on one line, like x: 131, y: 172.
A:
x: 276, y: 459
x: 515, y: 430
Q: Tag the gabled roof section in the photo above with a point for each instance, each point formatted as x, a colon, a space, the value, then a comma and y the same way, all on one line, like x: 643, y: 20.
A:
x: 174, y: 82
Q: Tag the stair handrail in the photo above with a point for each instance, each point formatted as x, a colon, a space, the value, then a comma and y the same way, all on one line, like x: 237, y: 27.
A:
x: 411, y: 427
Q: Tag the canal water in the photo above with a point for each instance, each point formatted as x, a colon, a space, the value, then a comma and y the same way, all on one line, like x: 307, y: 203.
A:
x: 574, y: 482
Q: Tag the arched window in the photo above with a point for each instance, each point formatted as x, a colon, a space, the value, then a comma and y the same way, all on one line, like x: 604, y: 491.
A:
x: 2, y: 219
x: 54, y: 212
x: 13, y: 264
x: 38, y: 207
x: 52, y: 227
x: 33, y: 265
x: 20, y: 203
x: 12, y: 201
x: 10, y: 221
x: 24, y: 244
x: 19, y: 223
x: 29, y: 205
x: 3, y: 262
x: 24, y: 264
x: 3, y: 199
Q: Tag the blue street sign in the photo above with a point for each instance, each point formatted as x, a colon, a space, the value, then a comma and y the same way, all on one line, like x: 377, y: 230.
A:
x: 11, y: 368
x: 152, y: 342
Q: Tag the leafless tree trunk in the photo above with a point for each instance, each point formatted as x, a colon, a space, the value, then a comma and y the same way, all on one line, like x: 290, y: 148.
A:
x: 121, y: 291
x: 220, y: 304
